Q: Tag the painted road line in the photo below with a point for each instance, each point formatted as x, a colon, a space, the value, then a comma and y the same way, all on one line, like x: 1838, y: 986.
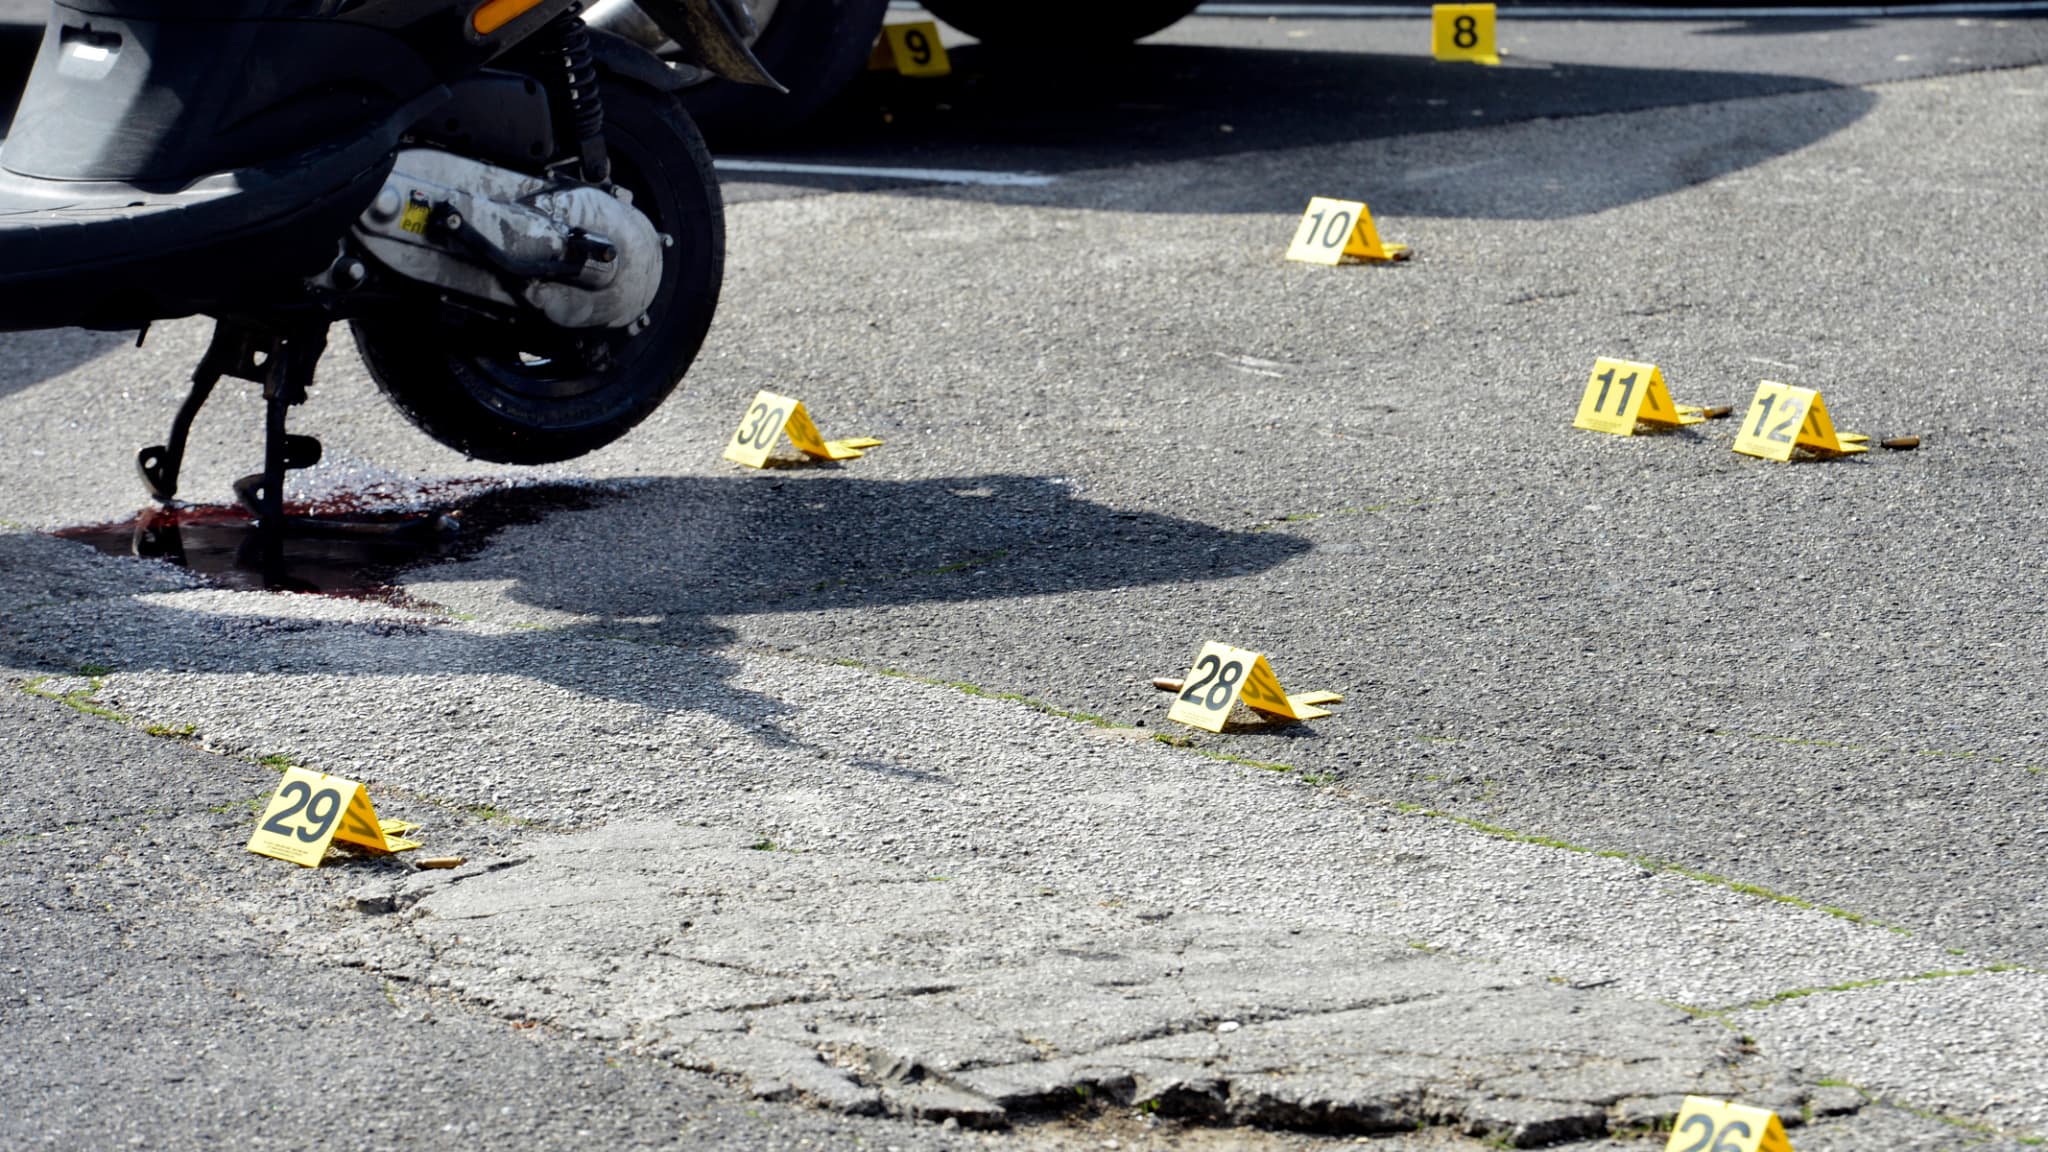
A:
x: 1575, y: 12
x: 925, y: 175
x: 1564, y: 12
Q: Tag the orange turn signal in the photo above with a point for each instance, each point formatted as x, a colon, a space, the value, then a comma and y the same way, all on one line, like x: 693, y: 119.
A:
x: 497, y: 13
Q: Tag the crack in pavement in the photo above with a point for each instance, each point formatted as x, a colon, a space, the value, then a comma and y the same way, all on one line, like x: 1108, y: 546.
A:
x: 1159, y: 928
x: 1334, y: 1032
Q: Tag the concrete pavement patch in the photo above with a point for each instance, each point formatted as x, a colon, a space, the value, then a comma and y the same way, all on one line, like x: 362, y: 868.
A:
x: 865, y: 986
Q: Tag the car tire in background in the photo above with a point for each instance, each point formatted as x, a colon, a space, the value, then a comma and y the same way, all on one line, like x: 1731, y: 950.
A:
x: 814, y: 47
x: 1070, y: 24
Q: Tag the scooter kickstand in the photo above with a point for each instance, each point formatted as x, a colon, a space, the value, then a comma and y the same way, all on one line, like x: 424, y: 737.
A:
x: 247, y: 354
x: 287, y: 376
x: 282, y: 361
x: 159, y: 463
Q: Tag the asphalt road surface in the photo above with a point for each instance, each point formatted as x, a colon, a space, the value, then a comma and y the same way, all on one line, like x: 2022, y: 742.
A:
x: 833, y: 805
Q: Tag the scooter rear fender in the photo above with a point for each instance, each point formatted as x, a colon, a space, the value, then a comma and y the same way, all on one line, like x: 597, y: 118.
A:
x: 705, y: 35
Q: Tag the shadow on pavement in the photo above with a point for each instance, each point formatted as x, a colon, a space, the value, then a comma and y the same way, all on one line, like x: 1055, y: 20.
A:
x: 29, y: 358
x: 678, y: 551
x: 661, y: 562
x: 1160, y: 103
x: 1782, y: 27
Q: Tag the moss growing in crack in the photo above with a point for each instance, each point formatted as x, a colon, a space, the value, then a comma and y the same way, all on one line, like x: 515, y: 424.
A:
x: 1661, y: 1126
x: 1538, y: 839
x: 967, y: 689
x: 1315, y: 779
x: 1791, y: 994
x: 91, y: 709
x: 1223, y: 757
x: 764, y: 844
x: 1976, y: 1127
x: 496, y: 815
x: 1845, y: 746
x: 1654, y: 865
x: 25, y: 837
x: 80, y: 700
x: 278, y: 762
x: 964, y: 565
x: 172, y: 731
x: 1285, y: 519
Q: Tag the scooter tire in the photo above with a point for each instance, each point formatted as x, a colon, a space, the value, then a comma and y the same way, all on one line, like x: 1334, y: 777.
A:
x: 485, y: 398
x: 1073, y: 25
x: 814, y: 47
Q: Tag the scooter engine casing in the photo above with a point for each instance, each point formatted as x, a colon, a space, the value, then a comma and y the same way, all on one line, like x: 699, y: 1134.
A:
x: 581, y: 256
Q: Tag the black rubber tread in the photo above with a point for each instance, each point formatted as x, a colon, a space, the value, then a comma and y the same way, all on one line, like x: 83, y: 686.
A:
x: 814, y: 47
x: 458, y: 397
x: 1086, y: 25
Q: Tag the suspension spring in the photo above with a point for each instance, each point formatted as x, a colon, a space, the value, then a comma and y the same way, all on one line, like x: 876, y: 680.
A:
x: 585, y: 103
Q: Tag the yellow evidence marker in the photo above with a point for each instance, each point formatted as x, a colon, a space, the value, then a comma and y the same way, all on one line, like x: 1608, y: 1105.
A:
x: 1462, y: 32
x: 1340, y: 231
x: 769, y: 416
x: 910, y: 50
x: 1717, y: 1126
x: 1223, y: 675
x: 1783, y: 418
x: 310, y: 811
x: 1623, y: 393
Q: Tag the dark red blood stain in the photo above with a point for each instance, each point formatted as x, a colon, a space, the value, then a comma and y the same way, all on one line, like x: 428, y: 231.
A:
x: 352, y: 545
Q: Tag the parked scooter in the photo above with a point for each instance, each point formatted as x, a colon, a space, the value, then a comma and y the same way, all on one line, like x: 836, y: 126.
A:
x: 508, y: 207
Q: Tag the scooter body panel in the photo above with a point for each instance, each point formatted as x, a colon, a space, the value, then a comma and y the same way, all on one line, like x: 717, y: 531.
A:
x: 155, y: 93
x: 208, y: 155
x: 168, y: 102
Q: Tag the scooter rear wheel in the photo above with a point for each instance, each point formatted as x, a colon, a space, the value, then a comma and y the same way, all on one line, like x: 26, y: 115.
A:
x: 492, y: 395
